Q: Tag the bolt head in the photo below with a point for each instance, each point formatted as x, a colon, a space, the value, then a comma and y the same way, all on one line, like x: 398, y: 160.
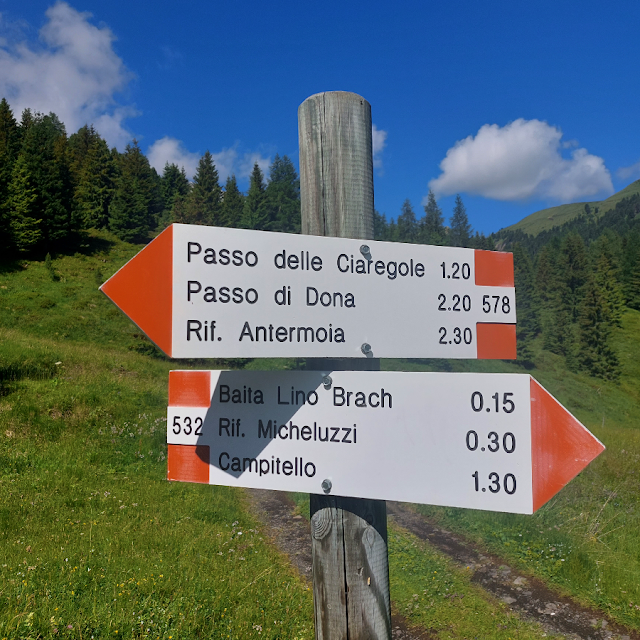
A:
x: 365, y: 250
x: 327, y: 381
x: 326, y: 486
x: 366, y: 348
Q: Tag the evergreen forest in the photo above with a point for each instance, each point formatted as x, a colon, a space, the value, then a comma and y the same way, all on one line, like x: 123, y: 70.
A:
x: 573, y: 282
x: 54, y: 187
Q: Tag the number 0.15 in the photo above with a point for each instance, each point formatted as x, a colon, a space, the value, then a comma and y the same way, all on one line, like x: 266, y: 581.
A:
x: 508, y: 405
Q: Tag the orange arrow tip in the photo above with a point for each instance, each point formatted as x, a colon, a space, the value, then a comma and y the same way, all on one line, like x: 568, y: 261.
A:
x: 561, y: 446
x: 143, y: 289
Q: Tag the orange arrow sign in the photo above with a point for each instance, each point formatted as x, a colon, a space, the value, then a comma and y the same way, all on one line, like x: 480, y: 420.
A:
x: 483, y: 441
x: 143, y: 289
x: 561, y: 446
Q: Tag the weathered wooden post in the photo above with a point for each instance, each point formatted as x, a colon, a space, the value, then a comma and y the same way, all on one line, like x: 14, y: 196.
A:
x: 349, y: 535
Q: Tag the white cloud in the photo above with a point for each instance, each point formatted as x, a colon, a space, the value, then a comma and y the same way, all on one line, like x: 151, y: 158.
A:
x: 227, y: 161
x: 173, y: 151
x: 519, y: 161
x: 379, y: 142
x: 632, y: 171
x: 74, y: 72
x: 245, y: 166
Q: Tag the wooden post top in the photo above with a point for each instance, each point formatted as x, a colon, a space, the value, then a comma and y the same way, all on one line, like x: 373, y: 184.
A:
x: 336, y: 165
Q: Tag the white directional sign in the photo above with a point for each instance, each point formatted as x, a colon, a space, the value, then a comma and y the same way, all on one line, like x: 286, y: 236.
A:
x: 207, y: 292
x: 498, y: 442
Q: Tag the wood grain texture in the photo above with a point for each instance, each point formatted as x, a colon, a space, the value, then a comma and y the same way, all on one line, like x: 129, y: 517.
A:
x: 336, y: 165
x: 350, y: 568
x: 349, y: 535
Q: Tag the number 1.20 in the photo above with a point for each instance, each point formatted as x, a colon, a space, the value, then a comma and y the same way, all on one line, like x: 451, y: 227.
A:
x: 456, y: 271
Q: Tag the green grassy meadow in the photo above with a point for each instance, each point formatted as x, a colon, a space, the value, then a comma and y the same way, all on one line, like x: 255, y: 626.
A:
x: 586, y: 540
x: 94, y: 542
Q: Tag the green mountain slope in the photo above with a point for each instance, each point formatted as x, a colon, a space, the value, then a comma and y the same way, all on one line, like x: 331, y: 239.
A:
x: 555, y: 216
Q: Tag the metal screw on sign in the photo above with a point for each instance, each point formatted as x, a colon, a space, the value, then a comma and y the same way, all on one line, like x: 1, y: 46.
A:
x: 326, y: 486
x: 365, y: 251
x: 366, y: 349
x: 327, y: 381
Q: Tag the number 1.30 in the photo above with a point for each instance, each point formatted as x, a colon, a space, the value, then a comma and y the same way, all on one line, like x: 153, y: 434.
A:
x: 508, y: 483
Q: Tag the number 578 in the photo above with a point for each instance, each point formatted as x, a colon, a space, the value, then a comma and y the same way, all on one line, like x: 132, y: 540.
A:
x: 496, y: 302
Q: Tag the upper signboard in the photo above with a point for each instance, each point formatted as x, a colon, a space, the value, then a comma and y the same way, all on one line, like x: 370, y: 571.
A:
x: 211, y: 292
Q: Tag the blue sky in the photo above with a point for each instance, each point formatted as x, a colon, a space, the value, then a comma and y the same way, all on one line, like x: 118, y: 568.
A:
x: 516, y: 106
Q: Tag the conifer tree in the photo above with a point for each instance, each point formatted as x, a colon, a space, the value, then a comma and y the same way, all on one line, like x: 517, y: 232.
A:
x: 605, y: 270
x: 432, y: 224
x: 528, y: 324
x: 27, y: 119
x: 407, y: 224
x: 45, y: 152
x: 173, y: 184
x: 574, y: 270
x: 546, y: 276
x: 9, y: 149
x: 232, y: 203
x: 79, y: 145
x: 254, y: 214
x: 380, y: 226
x: 282, y: 197
x: 631, y: 269
x: 595, y: 352
x: 137, y: 199
x: 460, y: 229
x: 94, y: 170
x: 25, y: 230
x: 558, y: 335
x: 392, y: 231
x: 203, y: 203
x: 480, y: 241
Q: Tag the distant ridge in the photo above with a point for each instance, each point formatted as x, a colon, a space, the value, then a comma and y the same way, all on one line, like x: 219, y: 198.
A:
x: 555, y: 216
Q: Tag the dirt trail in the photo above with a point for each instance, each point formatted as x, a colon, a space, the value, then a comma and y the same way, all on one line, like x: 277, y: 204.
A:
x: 527, y: 596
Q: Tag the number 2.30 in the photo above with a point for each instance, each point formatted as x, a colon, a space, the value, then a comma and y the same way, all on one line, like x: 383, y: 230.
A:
x: 459, y: 335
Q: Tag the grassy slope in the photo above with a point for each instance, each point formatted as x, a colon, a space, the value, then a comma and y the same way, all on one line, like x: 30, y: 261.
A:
x: 93, y: 541
x: 93, y: 537
x: 555, y: 216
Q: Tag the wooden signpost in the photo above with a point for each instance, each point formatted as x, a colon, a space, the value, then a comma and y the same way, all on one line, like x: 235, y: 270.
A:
x: 344, y: 431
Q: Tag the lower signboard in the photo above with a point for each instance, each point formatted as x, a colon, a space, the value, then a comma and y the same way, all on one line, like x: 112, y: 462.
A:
x: 497, y: 442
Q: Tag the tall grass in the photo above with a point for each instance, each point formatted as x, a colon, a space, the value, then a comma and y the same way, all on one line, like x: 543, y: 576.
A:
x: 94, y: 542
